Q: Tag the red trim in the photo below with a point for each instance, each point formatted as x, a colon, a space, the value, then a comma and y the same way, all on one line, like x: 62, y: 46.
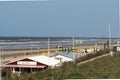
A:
x: 26, y: 59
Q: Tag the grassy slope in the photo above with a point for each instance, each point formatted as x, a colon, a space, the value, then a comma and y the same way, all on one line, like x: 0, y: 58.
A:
x: 106, y: 67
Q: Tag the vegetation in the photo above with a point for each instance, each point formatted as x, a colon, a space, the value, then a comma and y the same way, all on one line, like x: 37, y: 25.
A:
x: 103, y: 68
x: 92, y: 55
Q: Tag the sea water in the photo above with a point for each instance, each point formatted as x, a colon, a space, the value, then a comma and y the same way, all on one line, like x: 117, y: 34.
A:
x: 15, y: 43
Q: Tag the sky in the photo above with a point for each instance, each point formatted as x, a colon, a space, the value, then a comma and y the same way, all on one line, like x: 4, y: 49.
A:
x: 59, y: 18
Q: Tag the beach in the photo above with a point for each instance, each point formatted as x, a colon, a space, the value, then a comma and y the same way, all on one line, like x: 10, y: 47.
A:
x: 16, y: 48
x: 7, y: 56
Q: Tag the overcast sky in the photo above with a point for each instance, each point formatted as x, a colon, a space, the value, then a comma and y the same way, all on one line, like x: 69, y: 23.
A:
x: 59, y: 18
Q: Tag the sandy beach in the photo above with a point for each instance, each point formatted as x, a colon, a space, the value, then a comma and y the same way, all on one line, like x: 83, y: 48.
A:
x: 14, y: 55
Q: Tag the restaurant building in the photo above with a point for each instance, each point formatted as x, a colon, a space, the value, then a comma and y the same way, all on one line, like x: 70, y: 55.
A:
x: 32, y: 64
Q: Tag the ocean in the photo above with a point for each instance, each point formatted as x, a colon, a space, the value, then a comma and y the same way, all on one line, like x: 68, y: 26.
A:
x: 16, y: 43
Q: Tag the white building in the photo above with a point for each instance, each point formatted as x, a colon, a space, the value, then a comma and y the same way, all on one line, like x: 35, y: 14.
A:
x: 66, y: 57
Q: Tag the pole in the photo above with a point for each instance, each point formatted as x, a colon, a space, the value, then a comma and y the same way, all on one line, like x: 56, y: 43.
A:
x: 73, y: 48
x: 119, y: 19
x: 1, y: 63
x: 73, y: 44
x: 111, y: 53
x: 38, y: 51
x: 31, y: 50
x: 109, y: 36
x: 48, y: 45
